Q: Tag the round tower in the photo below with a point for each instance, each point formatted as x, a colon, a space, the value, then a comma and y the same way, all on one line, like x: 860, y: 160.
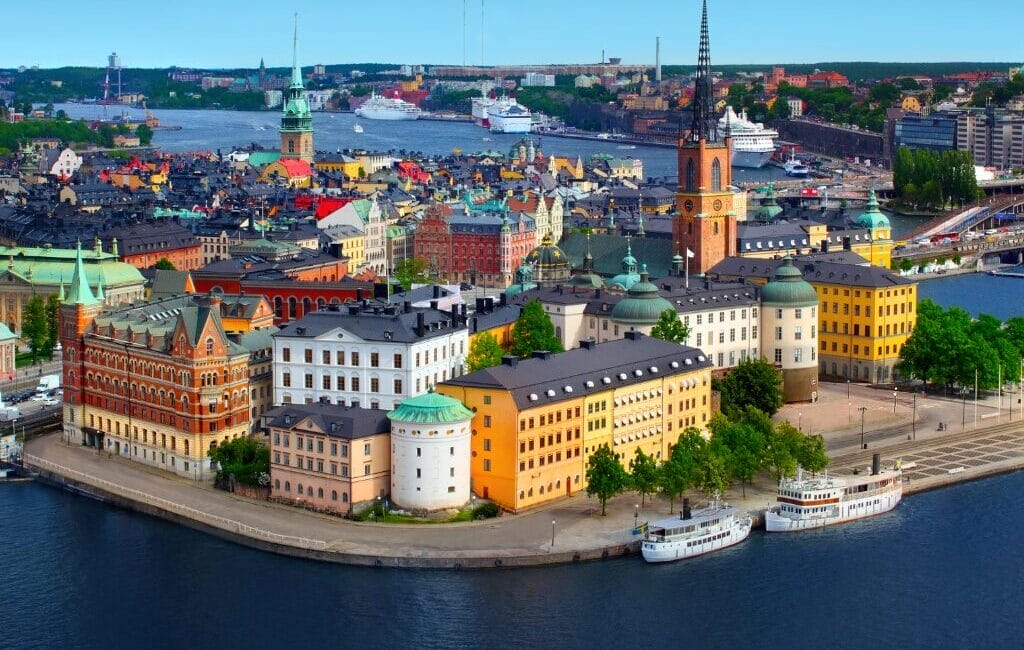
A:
x: 789, y: 319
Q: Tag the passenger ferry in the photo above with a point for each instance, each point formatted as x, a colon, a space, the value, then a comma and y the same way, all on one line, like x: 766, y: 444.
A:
x: 692, y: 534
x: 813, y: 502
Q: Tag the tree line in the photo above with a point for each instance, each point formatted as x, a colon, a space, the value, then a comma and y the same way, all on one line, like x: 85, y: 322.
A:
x: 922, y: 177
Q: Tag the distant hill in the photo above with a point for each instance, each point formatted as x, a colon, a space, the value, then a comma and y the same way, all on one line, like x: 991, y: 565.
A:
x: 857, y: 70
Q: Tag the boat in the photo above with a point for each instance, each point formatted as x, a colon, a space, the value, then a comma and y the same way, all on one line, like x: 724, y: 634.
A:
x: 695, y: 533
x: 480, y: 107
x: 358, y: 128
x: 626, y: 146
x: 378, y: 107
x: 752, y: 143
x: 812, y: 502
x: 793, y: 167
x: 508, y: 116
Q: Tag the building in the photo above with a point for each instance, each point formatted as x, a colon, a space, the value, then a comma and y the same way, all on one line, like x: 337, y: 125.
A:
x: 328, y: 457
x: 994, y: 137
x: 827, y: 80
x: 367, y: 354
x: 296, y: 119
x: 536, y: 421
x: 144, y: 244
x: 796, y: 106
x: 430, y: 453
x: 538, y: 79
x: 936, y: 131
x: 158, y: 383
x: 62, y: 163
x: 8, y: 350
x: 789, y: 308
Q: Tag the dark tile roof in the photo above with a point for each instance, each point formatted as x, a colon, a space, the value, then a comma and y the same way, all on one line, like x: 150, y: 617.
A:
x: 813, y: 269
x: 335, y: 420
x: 375, y: 323
x: 608, y: 251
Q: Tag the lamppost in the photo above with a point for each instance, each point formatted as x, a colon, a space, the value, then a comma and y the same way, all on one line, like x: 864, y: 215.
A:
x: 862, y: 409
x: 913, y: 420
x: 849, y: 403
x: 552, y: 533
x: 963, y: 417
x: 799, y: 421
x: 895, y: 392
x: 636, y: 516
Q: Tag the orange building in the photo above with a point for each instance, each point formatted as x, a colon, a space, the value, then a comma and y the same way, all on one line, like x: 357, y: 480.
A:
x: 144, y: 244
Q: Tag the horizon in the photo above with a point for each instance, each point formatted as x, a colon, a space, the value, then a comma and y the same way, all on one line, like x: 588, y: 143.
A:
x: 234, y: 37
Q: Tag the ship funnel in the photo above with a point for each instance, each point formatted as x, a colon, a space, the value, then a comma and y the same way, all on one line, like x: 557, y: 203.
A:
x: 685, y: 514
x: 876, y: 464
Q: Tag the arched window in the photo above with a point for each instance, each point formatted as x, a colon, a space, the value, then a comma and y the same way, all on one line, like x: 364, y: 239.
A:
x: 320, y: 493
x: 309, y: 491
x: 691, y: 176
x: 344, y: 497
x: 292, y: 307
x: 277, y: 484
x: 278, y: 307
x: 287, y: 486
x: 299, y: 489
x: 714, y: 227
x: 716, y: 176
x: 209, y: 346
x: 334, y: 495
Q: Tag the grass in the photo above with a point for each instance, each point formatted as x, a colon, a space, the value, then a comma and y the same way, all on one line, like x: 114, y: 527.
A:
x: 24, y: 359
x: 376, y: 514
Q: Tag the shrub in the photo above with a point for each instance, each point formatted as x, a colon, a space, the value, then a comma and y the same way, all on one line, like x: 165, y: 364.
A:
x: 487, y: 510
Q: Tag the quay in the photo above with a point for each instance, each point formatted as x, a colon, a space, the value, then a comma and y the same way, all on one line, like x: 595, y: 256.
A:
x: 565, y: 532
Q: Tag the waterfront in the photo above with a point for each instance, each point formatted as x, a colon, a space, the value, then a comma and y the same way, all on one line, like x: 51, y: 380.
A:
x: 976, y: 293
x: 80, y: 574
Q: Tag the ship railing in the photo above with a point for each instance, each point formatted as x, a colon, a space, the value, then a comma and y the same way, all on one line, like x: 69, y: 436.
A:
x: 192, y: 513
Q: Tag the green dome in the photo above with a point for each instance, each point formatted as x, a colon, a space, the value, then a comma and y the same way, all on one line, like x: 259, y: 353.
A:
x: 770, y: 208
x: 430, y: 408
x: 587, y: 280
x: 788, y: 288
x: 547, y: 256
x: 643, y: 305
x: 873, y: 217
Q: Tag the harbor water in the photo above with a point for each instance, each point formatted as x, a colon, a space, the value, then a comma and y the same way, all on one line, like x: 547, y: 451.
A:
x: 976, y: 293
x: 940, y: 571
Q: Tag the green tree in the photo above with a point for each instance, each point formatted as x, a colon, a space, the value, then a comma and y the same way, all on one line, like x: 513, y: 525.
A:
x: 741, y: 446
x: 484, y: 352
x: 244, y: 458
x: 670, y: 328
x: 164, y: 264
x: 52, y: 321
x: 34, y: 326
x: 605, y: 476
x: 884, y: 93
x: 681, y: 471
x: 534, y: 331
x: 410, y: 271
x: 643, y: 474
x: 712, y: 474
x: 810, y: 453
x: 780, y: 451
x: 754, y: 382
x: 145, y: 134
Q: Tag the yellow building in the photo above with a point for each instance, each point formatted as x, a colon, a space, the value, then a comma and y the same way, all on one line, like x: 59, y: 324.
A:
x: 538, y: 420
x: 911, y: 103
x: 351, y: 244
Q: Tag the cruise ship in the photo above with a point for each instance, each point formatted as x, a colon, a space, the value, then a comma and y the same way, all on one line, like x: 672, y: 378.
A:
x: 480, y: 106
x: 378, y: 107
x: 509, y: 116
x: 694, y: 533
x: 752, y: 143
x: 813, y: 502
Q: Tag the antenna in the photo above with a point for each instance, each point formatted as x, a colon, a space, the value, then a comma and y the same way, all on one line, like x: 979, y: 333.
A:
x: 463, y: 32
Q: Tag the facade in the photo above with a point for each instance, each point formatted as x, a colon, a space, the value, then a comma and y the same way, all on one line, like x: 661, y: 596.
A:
x: 789, y: 307
x: 538, y: 420
x: 367, y: 355
x: 328, y: 457
x: 62, y: 163
x: 430, y: 453
x: 995, y: 137
x: 8, y: 349
x: 935, y: 131
x: 143, y: 245
x: 296, y: 119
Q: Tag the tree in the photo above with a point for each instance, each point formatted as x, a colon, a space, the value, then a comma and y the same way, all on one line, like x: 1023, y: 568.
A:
x: 164, y: 264
x: 34, y: 327
x: 741, y: 447
x: 780, y: 458
x: 754, y: 382
x: 534, y: 331
x: 605, y: 476
x: 680, y: 472
x: 410, y: 271
x: 643, y: 474
x: 484, y: 352
x: 712, y: 475
x: 52, y: 321
x: 145, y: 134
x: 670, y: 328
x: 244, y: 458
x: 810, y: 453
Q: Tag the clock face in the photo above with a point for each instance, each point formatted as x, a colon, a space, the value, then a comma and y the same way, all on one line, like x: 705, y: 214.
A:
x: 688, y: 204
x: 718, y: 204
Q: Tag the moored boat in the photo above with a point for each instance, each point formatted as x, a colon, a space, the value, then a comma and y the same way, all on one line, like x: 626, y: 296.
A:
x: 378, y: 107
x: 695, y: 533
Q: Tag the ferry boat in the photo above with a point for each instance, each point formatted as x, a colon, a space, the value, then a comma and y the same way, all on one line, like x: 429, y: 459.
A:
x: 509, y: 116
x: 694, y: 533
x: 378, y: 107
x: 813, y: 502
x: 794, y: 167
x: 358, y: 128
x: 480, y: 106
x: 752, y: 143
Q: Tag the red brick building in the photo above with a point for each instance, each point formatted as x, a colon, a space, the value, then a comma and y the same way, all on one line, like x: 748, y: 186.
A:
x: 143, y: 245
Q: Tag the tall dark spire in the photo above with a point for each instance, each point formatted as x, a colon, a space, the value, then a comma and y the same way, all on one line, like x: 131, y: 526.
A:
x: 701, y: 128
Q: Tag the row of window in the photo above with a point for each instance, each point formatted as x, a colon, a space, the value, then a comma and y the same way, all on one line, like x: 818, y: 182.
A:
x: 309, y: 491
x: 308, y: 443
x: 890, y: 329
x: 890, y: 310
x: 545, y: 419
x: 857, y: 349
x: 440, y: 352
x: 524, y: 494
x: 550, y: 459
x: 710, y: 337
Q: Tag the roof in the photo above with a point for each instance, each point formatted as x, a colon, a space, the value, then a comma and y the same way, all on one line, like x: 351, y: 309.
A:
x: 788, y: 288
x: 643, y: 306
x: 588, y: 369
x: 335, y: 420
x: 374, y: 323
x: 813, y: 270
x: 430, y: 408
x: 608, y: 252
x: 5, y: 333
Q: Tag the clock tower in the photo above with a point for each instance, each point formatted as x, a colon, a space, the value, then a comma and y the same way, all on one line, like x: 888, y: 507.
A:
x: 706, y: 225
x: 297, y: 120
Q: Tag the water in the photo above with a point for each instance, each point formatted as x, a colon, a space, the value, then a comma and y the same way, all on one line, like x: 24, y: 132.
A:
x: 976, y: 293
x: 941, y: 571
x: 211, y: 130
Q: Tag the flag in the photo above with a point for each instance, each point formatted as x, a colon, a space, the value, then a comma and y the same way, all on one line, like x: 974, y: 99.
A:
x: 690, y: 254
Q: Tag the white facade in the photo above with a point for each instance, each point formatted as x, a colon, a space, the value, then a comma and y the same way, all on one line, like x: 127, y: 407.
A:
x: 793, y: 343
x: 430, y: 464
x: 366, y: 216
x: 347, y: 369
x: 66, y: 164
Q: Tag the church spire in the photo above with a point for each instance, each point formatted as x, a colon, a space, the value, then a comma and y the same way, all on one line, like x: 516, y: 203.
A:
x: 80, y: 293
x: 296, y: 70
x: 701, y: 128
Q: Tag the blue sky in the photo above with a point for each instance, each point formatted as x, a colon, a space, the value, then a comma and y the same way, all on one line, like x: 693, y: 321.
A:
x: 227, y: 33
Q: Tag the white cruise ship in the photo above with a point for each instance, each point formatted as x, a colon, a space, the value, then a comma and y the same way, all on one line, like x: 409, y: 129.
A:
x: 509, y: 116
x: 378, y: 107
x: 692, y: 534
x: 824, y: 500
x: 480, y: 106
x: 752, y: 143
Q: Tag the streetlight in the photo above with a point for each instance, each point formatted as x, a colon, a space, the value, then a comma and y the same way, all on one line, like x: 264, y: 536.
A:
x: 849, y: 403
x: 552, y: 533
x: 913, y: 420
x: 895, y: 392
x: 799, y: 421
x: 963, y: 418
x: 862, y: 409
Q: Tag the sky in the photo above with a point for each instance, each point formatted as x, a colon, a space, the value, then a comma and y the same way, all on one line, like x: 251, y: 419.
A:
x: 231, y: 33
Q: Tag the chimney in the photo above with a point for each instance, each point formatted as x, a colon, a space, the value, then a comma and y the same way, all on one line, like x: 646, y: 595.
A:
x: 489, y: 305
x: 685, y: 514
x: 437, y: 291
x: 824, y: 245
x: 847, y: 244
x: 359, y: 295
x: 433, y: 304
x: 633, y: 335
x: 876, y: 464
x: 503, y: 300
x: 407, y: 306
x: 479, y: 305
x: 510, y: 360
x: 541, y: 354
x: 588, y: 344
x: 474, y: 324
x: 421, y: 324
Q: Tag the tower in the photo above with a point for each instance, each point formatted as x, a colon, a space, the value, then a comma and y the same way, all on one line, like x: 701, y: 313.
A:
x: 77, y: 313
x: 296, y: 121
x: 706, y: 224
x: 505, y: 243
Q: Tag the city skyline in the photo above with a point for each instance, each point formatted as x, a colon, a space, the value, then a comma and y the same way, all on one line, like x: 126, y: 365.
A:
x: 530, y: 32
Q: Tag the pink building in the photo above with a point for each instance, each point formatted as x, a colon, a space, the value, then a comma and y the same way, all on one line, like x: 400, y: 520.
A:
x: 329, y: 457
x: 8, y: 346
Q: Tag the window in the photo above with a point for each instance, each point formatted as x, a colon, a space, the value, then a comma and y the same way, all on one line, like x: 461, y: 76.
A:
x: 308, y: 383
x: 339, y: 357
x: 286, y: 379
x: 355, y: 358
x: 778, y: 355
x: 398, y: 387
x: 325, y: 382
x: 799, y: 312
x: 487, y: 464
x: 366, y: 470
x: 797, y: 333
x: 778, y: 333
x: 374, y: 360
x: 286, y: 354
x: 308, y: 355
x: 327, y: 357
x: 398, y: 360
x: 487, y: 444
x: 487, y: 421
x: 798, y: 355
x: 716, y: 176
x: 691, y: 176
x: 355, y: 383
x: 366, y: 449
x: 374, y: 385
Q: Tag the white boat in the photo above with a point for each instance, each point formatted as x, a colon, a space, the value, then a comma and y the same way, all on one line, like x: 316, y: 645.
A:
x: 794, y: 167
x: 508, y: 116
x: 480, y: 106
x: 358, y: 128
x: 752, y: 143
x: 378, y: 107
x: 812, y: 502
x: 691, y: 534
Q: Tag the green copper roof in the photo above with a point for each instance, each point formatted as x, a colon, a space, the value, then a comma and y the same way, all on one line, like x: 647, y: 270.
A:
x: 80, y: 293
x: 770, y: 207
x: 6, y: 333
x: 788, y: 288
x: 873, y: 217
x: 643, y: 305
x: 430, y: 408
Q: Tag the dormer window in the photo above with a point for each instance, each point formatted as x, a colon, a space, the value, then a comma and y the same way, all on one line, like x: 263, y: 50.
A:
x: 209, y: 346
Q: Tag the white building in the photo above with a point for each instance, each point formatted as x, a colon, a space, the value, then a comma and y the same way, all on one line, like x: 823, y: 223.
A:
x: 59, y: 162
x: 538, y: 79
x: 789, y: 329
x: 430, y: 453
x: 370, y: 355
x: 796, y: 106
x: 272, y: 98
